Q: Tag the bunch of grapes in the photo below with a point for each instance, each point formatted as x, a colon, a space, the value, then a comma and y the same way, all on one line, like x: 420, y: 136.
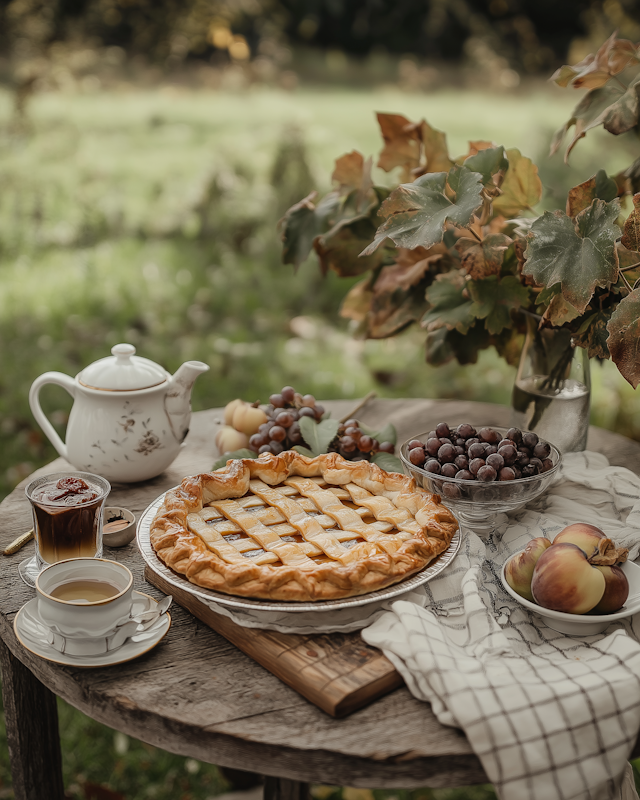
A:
x: 482, y: 455
x: 355, y: 445
x: 282, y: 429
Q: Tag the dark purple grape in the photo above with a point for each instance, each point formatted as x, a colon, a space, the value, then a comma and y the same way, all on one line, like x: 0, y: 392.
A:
x: 319, y: 412
x: 465, y: 475
x: 490, y: 450
x: 466, y: 431
x: 476, y: 465
x: 459, y: 450
x: 459, y: 441
x: 266, y: 427
x: 284, y: 419
x: 432, y: 465
x: 547, y: 464
x: 506, y: 474
x: 542, y: 450
x: 524, y: 449
x: 496, y: 461
x: 415, y: 443
x: 476, y: 450
x: 276, y: 448
x: 515, y: 434
x: 432, y: 435
x: 529, y: 439
x: 517, y: 471
x: 257, y: 440
x: 529, y: 471
x: 444, y: 440
x: 365, y: 444
x: 446, y: 453
x: 277, y: 433
x: 293, y: 434
x: 489, y: 435
x: 416, y: 456
x: 449, y: 470
x: 442, y: 430
x: 451, y: 490
x: 288, y: 393
x: 347, y: 444
x: 462, y: 462
x: 265, y: 448
x: 473, y: 440
x: 486, y: 474
x: 356, y: 433
x: 307, y: 412
x: 508, y: 453
x: 277, y: 400
x: 308, y: 401
x: 351, y: 423
x: 522, y: 459
x: 537, y: 463
x: 386, y: 447
x: 432, y: 446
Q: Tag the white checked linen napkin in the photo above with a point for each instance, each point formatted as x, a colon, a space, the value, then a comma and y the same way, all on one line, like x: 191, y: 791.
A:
x: 551, y: 716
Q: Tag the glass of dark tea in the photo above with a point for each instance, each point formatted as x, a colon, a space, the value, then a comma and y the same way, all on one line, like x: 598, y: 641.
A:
x: 67, y: 512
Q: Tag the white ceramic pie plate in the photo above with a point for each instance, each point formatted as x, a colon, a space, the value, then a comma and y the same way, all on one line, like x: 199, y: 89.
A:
x: 27, y: 622
x: 249, y: 604
x: 581, y: 624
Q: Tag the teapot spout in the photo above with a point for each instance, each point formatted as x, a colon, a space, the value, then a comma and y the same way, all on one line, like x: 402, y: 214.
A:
x: 177, y: 401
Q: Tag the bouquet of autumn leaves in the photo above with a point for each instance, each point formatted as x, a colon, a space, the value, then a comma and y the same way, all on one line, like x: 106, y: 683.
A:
x: 457, y: 246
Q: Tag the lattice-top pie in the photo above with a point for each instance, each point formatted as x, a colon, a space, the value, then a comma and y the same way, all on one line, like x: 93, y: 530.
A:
x: 289, y: 527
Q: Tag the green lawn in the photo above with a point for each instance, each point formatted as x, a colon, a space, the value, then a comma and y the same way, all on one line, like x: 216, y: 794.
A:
x: 150, y: 217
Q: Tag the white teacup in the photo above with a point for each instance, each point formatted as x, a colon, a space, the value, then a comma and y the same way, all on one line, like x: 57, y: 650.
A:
x: 82, y: 618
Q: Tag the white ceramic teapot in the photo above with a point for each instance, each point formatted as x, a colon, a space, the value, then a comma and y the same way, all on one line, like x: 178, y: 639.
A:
x: 129, y: 416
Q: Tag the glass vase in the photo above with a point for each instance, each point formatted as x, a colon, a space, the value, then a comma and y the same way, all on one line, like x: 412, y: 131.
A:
x: 552, y: 391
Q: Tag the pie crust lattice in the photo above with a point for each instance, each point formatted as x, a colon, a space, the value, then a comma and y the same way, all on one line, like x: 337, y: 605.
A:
x: 293, y: 528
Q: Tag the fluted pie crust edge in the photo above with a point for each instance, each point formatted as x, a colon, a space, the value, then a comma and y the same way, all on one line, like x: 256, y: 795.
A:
x: 187, y: 554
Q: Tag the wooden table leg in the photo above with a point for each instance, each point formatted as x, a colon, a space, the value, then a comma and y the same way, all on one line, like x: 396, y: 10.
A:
x: 31, y: 717
x: 283, y: 789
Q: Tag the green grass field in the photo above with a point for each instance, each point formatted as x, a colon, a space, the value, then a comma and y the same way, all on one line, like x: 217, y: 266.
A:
x: 150, y: 217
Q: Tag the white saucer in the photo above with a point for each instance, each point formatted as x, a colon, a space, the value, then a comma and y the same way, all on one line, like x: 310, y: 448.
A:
x: 126, y: 652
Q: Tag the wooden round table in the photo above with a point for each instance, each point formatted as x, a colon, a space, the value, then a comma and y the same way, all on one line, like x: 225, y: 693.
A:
x: 199, y: 696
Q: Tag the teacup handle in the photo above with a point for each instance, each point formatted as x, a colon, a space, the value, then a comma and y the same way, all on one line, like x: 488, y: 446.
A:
x: 60, y: 379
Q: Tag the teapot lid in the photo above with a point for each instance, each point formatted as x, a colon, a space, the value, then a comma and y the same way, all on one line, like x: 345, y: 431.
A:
x: 123, y: 371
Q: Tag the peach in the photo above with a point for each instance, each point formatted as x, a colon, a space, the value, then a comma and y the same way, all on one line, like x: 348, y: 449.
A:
x: 583, y: 535
x: 229, y: 410
x: 564, y: 580
x: 248, y: 419
x: 228, y: 439
x: 519, y: 568
x: 616, y: 590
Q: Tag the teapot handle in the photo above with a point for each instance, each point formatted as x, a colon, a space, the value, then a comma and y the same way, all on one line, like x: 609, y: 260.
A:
x: 60, y: 379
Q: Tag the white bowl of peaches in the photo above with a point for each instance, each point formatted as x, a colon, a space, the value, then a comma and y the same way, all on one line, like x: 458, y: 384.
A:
x: 579, y: 583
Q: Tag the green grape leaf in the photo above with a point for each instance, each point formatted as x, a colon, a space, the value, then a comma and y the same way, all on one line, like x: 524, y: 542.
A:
x: 303, y: 222
x: 442, y: 345
x: 416, y: 213
x: 521, y: 188
x: 449, y: 307
x: 488, y: 162
x: 547, y: 294
x: 388, y: 462
x: 243, y: 453
x: 304, y: 451
x: 493, y: 301
x: 579, y: 254
x: 318, y: 435
x: 624, y: 337
x: 598, y: 187
x: 631, y: 234
x: 386, y: 434
x: 481, y: 259
x: 593, y: 333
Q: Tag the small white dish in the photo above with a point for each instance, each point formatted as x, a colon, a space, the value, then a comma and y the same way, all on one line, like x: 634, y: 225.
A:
x: 32, y: 633
x: 121, y: 537
x: 582, y: 624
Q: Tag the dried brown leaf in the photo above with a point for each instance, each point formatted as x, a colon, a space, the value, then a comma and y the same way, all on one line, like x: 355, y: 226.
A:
x: 357, y: 302
x: 409, y: 269
x: 624, y: 337
x: 481, y: 259
x: 401, y: 143
x: 596, y: 69
x: 599, y: 186
x: 559, y: 311
x: 349, y: 170
x: 477, y: 146
x: 521, y: 188
x: 435, y: 147
x: 631, y: 235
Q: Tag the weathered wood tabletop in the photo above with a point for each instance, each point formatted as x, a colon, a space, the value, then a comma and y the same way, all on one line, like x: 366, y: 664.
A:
x: 197, y: 695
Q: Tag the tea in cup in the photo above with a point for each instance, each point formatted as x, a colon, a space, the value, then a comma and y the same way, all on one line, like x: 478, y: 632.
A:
x: 84, y: 597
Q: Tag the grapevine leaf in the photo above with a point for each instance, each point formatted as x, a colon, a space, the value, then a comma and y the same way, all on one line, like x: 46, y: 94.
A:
x: 435, y: 147
x: 560, y: 311
x: 481, y: 259
x: 624, y: 337
x: 443, y: 345
x: 352, y: 171
x: 622, y: 116
x: 401, y: 144
x: 357, y: 301
x: 416, y: 213
x: 631, y: 235
x: 599, y: 186
x: 304, y: 451
x: 493, y: 300
x: 410, y: 268
x: 318, y: 435
x: 391, y: 313
x: 386, y: 434
x: 387, y: 462
x: 302, y: 223
x: 579, y: 254
x: 521, y: 188
x: 487, y: 162
x: 596, y: 70
x: 449, y: 307
x: 547, y: 294
x: 477, y: 146
x: 593, y: 333
x: 243, y: 453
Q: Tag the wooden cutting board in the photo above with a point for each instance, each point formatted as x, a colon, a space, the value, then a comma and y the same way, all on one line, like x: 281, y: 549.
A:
x: 338, y: 672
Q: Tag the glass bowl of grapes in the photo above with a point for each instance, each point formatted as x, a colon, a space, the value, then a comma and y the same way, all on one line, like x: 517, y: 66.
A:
x: 480, y: 471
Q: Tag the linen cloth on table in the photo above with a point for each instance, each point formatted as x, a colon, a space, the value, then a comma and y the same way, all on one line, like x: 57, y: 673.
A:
x: 551, y: 716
